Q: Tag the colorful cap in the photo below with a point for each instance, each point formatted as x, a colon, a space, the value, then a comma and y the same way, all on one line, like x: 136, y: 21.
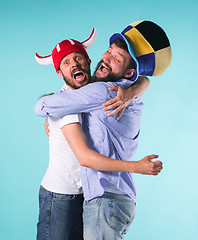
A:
x: 149, y: 47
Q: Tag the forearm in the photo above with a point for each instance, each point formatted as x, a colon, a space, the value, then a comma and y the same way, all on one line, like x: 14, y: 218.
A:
x: 99, y: 162
x: 140, y: 86
x: 91, y: 159
x: 85, y: 99
x: 94, y: 160
x: 125, y: 96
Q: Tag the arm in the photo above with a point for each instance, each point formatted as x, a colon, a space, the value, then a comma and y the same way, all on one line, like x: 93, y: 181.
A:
x: 47, y: 127
x: 85, y: 99
x: 91, y: 159
x: 125, y: 96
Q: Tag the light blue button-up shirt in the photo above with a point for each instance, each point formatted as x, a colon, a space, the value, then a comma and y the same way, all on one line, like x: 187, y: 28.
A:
x: 105, y: 135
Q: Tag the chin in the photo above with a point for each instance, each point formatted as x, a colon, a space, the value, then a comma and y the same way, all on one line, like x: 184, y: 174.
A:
x: 82, y: 83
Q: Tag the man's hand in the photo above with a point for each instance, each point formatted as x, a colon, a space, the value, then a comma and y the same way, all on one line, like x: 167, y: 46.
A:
x: 47, y: 127
x: 148, y: 167
x: 125, y: 96
x: 120, y: 102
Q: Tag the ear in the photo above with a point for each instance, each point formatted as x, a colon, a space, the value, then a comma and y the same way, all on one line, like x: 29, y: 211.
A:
x: 129, y: 73
x: 59, y: 72
x: 88, y: 61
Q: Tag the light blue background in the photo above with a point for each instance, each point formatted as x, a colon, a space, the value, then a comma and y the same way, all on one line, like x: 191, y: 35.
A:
x: 167, y: 204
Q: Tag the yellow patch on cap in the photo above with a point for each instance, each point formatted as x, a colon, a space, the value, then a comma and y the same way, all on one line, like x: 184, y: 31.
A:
x: 162, y: 60
x: 139, y: 44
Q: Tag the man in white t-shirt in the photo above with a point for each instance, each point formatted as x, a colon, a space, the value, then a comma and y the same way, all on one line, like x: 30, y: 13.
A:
x: 60, y: 196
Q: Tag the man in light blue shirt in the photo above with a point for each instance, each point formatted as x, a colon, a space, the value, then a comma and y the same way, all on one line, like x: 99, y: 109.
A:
x: 110, y: 196
x: 107, y: 136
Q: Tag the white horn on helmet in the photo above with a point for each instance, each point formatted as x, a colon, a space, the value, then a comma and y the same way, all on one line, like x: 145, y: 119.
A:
x: 90, y: 41
x: 44, y: 60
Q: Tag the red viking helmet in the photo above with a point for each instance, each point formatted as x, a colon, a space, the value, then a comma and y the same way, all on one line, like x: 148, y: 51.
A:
x: 66, y: 47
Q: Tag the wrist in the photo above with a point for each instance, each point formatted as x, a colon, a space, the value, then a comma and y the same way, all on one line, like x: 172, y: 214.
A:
x: 133, y: 91
x: 133, y: 167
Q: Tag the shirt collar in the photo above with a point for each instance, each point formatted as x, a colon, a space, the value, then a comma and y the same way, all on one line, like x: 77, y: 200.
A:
x: 64, y: 87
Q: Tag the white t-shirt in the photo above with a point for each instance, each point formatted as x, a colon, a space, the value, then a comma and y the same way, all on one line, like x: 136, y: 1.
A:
x: 63, y: 173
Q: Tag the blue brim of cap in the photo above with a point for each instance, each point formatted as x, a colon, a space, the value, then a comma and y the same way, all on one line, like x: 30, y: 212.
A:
x: 116, y: 36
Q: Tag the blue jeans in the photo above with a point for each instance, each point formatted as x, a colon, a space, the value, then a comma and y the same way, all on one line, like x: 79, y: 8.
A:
x: 108, y: 217
x: 60, y: 216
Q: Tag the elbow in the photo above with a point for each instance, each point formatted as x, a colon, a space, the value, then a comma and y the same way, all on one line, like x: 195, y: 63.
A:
x: 84, y: 160
x: 38, y: 111
x: 37, y: 108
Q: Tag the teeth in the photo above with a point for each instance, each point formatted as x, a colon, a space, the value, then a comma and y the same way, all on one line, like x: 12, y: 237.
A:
x: 77, y: 72
x: 104, y: 65
x: 78, y: 75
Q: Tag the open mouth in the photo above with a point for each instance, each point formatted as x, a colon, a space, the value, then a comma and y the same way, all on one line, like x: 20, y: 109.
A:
x: 79, y: 75
x: 104, y: 69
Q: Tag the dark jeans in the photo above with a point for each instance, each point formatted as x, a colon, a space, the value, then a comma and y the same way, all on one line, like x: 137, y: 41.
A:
x: 60, y: 216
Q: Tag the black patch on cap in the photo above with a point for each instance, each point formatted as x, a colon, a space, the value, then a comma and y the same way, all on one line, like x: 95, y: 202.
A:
x: 154, y: 34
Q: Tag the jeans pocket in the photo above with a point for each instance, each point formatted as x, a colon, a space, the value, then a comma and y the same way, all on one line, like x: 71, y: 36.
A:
x: 121, y: 215
x: 42, y: 200
x: 63, y: 197
x: 93, y: 201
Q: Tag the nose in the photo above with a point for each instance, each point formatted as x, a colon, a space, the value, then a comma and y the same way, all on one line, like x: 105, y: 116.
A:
x: 106, y: 58
x: 74, y: 63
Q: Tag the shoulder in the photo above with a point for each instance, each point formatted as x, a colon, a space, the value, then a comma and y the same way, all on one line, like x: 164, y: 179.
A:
x: 67, y: 119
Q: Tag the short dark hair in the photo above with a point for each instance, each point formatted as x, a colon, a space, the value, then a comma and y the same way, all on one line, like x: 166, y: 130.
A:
x: 122, y: 44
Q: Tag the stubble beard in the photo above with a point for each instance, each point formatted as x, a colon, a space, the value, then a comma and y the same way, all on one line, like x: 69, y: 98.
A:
x: 111, y: 77
x: 73, y: 85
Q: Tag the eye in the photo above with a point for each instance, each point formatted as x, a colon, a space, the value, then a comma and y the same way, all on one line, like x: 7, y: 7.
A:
x: 66, y: 62
x: 117, y: 60
x: 78, y: 58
